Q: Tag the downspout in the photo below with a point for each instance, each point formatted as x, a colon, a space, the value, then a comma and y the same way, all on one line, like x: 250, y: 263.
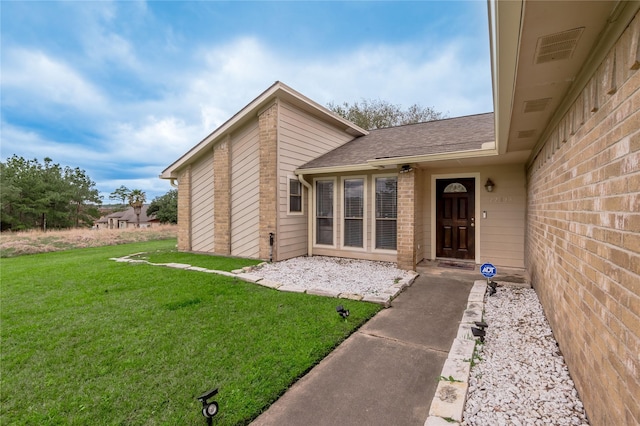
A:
x: 309, y: 215
x: 173, y: 183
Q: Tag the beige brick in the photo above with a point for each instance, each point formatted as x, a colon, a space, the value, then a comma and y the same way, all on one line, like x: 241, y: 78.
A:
x: 222, y: 200
x: 184, y: 210
x: 268, y: 146
x: 583, y: 207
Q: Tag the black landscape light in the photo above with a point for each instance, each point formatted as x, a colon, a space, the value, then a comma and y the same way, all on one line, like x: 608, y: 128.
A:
x: 209, y: 409
x: 492, y: 287
x: 344, y: 313
x: 481, y: 325
x: 478, y: 332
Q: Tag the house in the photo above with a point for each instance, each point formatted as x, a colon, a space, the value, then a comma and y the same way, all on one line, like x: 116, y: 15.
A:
x: 287, y: 170
x: 549, y: 182
x: 126, y: 219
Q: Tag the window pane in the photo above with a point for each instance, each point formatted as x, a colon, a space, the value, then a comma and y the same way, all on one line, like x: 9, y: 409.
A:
x: 324, y: 212
x: 353, y: 212
x: 386, y: 213
x: 386, y: 234
x: 353, y: 232
x: 295, y: 187
x: 324, y: 231
x: 295, y: 196
x: 324, y: 202
x: 295, y: 203
x: 353, y: 198
x: 386, y: 198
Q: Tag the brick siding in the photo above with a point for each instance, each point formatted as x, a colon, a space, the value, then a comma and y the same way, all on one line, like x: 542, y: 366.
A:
x: 268, y: 141
x: 184, y: 210
x: 583, y: 236
x: 222, y: 197
x: 406, y: 222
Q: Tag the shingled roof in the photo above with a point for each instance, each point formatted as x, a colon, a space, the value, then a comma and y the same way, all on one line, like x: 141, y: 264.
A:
x: 432, y: 137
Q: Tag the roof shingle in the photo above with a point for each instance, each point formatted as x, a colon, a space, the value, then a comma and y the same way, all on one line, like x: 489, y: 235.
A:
x: 432, y: 137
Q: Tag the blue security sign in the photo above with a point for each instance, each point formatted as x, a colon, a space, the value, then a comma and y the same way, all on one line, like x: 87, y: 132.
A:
x: 488, y: 270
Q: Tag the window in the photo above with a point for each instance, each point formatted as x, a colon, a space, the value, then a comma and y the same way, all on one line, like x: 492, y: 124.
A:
x: 353, y: 212
x: 386, y: 212
x: 295, y: 196
x: 455, y: 187
x: 324, y: 212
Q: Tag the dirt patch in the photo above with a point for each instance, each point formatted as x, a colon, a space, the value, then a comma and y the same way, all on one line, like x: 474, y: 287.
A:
x: 32, y: 242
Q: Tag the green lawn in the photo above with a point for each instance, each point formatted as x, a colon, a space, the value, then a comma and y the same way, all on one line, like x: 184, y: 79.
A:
x: 217, y: 263
x: 89, y: 341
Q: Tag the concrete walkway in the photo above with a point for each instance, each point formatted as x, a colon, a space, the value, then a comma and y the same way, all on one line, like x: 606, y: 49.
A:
x: 387, y: 372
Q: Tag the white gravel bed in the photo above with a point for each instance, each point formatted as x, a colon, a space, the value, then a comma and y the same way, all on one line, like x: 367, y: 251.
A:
x: 522, y: 378
x: 333, y: 273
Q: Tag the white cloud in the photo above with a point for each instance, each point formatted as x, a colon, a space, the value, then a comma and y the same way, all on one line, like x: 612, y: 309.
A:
x: 48, y: 80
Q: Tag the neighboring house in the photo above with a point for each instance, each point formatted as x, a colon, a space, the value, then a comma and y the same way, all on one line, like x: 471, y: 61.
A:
x: 550, y: 183
x: 126, y: 219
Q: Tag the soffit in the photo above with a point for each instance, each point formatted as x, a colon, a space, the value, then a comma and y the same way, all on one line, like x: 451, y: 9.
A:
x: 557, y: 39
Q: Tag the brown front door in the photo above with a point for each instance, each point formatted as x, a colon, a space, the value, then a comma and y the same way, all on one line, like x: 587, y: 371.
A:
x: 455, y: 221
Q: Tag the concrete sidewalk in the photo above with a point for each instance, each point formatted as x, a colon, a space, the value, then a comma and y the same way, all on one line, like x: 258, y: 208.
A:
x: 387, y: 372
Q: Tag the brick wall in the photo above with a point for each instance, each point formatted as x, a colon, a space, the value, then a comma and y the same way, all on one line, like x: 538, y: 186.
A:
x: 222, y: 197
x: 268, y: 141
x: 406, y: 222
x: 184, y: 210
x: 583, y: 235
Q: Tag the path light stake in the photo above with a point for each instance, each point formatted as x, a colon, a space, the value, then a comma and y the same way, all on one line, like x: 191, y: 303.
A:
x: 209, y: 409
x: 492, y: 287
x: 344, y: 313
x: 478, y: 333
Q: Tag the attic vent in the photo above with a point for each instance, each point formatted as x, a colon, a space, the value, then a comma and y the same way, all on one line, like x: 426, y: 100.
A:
x: 557, y: 46
x: 536, y: 105
x: 523, y: 134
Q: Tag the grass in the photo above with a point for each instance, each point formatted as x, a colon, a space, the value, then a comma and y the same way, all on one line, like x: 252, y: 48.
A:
x: 218, y: 263
x: 86, y: 340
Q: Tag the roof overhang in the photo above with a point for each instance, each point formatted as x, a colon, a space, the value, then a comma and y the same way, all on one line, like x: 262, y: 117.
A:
x: 488, y: 150
x: 278, y: 91
x: 532, y: 92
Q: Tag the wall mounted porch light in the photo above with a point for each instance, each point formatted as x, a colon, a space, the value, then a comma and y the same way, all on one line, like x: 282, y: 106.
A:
x: 489, y: 185
x: 406, y: 168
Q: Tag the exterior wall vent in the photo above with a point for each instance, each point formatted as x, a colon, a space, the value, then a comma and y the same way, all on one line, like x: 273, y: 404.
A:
x: 557, y: 46
x: 536, y: 105
x: 524, y: 134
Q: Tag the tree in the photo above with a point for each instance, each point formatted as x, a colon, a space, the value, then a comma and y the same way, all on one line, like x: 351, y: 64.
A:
x: 373, y: 114
x: 165, y: 207
x: 136, y: 200
x: 121, y: 194
x: 45, y: 195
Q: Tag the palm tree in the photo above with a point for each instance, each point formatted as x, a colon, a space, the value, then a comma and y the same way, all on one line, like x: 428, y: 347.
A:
x: 136, y: 200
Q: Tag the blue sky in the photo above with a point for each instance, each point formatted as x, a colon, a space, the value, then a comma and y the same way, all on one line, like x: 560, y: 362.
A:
x: 122, y: 89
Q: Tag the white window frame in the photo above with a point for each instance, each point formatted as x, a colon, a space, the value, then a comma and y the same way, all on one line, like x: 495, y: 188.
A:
x: 365, y: 218
x: 373, y: 214
x: 289, y: 212
x: 335, y: 213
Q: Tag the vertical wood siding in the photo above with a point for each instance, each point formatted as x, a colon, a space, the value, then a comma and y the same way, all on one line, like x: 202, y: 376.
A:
x: 245, y: 195
x: 202, y: 234
x: 301, y: 139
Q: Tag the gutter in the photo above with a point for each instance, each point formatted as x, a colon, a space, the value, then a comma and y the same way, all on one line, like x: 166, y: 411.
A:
x: 488, y: 150
x: 309, y: 215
